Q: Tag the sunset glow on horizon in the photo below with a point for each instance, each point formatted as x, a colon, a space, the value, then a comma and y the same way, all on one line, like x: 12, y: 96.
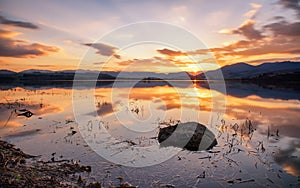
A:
x: 56, y: 35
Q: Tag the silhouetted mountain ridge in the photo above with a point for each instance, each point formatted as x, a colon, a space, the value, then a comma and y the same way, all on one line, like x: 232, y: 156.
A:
x: 245, y: 71
x: 238, y: 71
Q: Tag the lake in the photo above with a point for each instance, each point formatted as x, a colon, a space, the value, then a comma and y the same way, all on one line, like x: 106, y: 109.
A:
x: 114, y: 126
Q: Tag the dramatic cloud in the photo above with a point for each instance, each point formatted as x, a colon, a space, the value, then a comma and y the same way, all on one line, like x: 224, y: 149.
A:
x: 27, y: 25
x: 104, y: 49
x: 284, y: 28
x: 271, y: 45
x: 269, y: 41
x: 283, y: 38
x: 186, y: 58
x: 291, y: 4
x: 246, y: 29
x: 10, y: 47
x: 173, y: 53
x: 169, y: 52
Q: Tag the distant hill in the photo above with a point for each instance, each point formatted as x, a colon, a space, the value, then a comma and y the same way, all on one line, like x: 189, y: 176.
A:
x: 240, y: 71
x: 43, y: 76
x: 7, y: 72
x: 7, y: 76
x: 245, y: 71
x: 141, y: 75
x: 36, y: 71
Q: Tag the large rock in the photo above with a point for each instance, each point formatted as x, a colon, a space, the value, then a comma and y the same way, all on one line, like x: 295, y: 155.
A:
x: 191, y: 136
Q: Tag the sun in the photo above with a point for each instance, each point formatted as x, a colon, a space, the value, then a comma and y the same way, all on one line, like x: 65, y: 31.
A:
x: 193, y: 70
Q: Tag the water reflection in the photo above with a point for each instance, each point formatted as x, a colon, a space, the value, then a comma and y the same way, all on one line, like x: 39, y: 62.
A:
x: 25, y: 109
x: 241, y: 90
x: 288, y: 158
x: 274, y: 117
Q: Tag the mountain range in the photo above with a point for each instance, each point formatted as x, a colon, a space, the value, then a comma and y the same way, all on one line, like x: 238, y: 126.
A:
x: 238, y: 71
x: 244, y: 71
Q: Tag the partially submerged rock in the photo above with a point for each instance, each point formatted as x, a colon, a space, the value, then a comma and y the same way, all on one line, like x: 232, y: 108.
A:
x: 191, y: 136
x: 24, y: 112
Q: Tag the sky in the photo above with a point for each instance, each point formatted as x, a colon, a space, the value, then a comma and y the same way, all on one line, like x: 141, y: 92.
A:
x: 59, y: 35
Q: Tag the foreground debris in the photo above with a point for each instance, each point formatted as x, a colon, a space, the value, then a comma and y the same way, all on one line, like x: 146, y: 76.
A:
x: 18, y: 169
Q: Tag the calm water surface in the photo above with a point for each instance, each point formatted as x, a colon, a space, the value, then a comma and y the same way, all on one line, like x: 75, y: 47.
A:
x: 268, y: 156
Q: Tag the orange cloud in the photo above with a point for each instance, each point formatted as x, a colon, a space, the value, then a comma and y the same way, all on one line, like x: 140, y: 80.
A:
x: 10, y: 47
x: 246, y: 29
x: 104, y: 49
x: 270, y: 42
x: 169, y: 52
x: 8, y: 34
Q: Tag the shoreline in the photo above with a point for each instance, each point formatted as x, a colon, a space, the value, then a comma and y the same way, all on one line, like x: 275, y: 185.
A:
x: 19, y: 169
